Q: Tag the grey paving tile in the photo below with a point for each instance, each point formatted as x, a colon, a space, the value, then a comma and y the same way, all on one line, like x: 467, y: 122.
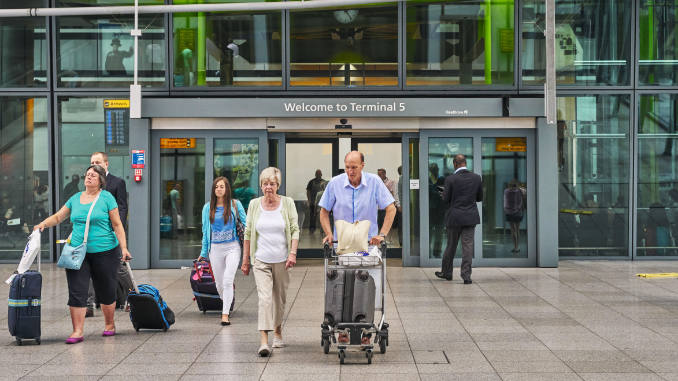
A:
x: 620, y: 376
x: 430, y: 357
x: 61, y: 378
x: 460, y: 365
x: 540, y: 377
x: 137, y: 377
x: 79, y: 369
x: 661, y: 366
x: 15, y: 371
x: 530, y: 367
x: 214, y: 377
x: 460, y: 377
x: 227, y: 369
x: 150, y: 369
x: 361, y: 368
x: 607, y: 367
x: 575, y: 355
x: 501, y: 355
x: 386, y: 376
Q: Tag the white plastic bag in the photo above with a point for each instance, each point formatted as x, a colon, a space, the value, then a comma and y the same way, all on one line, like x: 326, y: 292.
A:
x: 30, y: 252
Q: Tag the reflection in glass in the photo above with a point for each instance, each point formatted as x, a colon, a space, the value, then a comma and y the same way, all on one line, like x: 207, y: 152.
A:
x: 306, y: 180
x: 24, y: 182
x: 344, y: 47
x: 658, y: 175
x: 227, y: 49
x: 23, y: 47
x: 658, y: 48
x: 467, y: 42
x: 504, y: 174
x: 441, y: 152
x: 182, y: 183
x: 85, y: 129
x: 591, y: 49
x: 98, y: 52
x: 593, y: 149
x: 384, y: 160
x: 238, y: 161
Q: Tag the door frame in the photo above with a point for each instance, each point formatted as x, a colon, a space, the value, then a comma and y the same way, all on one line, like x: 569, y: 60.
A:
x: 477, y: 135
x: 156, y: 202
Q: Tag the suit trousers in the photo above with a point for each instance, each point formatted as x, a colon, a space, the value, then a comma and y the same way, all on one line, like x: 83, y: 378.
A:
x: 454, y: 234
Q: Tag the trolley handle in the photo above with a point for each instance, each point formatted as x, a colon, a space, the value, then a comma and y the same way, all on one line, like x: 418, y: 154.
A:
x: 382, y: 247
x: 327, y: 249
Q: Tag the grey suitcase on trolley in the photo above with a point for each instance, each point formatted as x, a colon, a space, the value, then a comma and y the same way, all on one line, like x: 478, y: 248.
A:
x: 364, y: 291
x: 334, y: 296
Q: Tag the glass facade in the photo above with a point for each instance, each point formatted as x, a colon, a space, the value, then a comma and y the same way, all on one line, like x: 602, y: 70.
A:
x: 23, y: 47
x: 98, y: 52
x: 468, y: 42
x: 657, y: 198
x: 593, y: 165
x: 344, y: 48
x: 593, y: 42
x: 25, y: 189
x: 605, y: 113
x: 658, y: 49
x: 227, y: 49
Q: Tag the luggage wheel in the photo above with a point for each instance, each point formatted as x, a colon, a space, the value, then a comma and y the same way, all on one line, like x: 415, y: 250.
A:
x: 326, y: 345
x: 342, y: 356
x: 368, y: 354
x: 37, y: 340
x: 382, y: 345
x: 18, y: 342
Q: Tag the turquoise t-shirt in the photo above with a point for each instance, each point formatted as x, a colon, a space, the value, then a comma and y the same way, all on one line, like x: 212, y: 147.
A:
x: 101, y: 236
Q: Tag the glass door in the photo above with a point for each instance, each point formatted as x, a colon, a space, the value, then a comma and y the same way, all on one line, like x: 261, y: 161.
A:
x: 183, y: 167
x: 383, y: 157
x: 505, y: 236
x: 309, y: 166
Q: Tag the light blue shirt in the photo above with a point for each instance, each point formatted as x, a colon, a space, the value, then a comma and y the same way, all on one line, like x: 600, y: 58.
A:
x: 359, y: 203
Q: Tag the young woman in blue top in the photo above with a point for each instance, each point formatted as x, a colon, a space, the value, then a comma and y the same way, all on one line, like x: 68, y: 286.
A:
x: 106, y: 246
x: 220, y: 240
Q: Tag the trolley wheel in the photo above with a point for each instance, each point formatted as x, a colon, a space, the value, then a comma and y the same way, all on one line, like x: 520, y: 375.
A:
x: 136, y: 326
x: 368, y: 354
x: 164, y: 329
x: 18, y: 342
x: 326, y: 345
x: 382, y: 345
x: 342, y: 356
x: 204, y: 312
x: 37, y: 341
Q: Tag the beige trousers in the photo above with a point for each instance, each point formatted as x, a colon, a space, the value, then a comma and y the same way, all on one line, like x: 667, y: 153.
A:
x: 272, y: 280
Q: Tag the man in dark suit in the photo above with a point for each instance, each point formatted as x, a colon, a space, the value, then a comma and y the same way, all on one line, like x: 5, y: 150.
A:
x: 118, y: 189
x: 462, y: 190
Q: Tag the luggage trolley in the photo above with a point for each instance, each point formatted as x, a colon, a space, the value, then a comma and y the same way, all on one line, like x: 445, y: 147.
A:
x: 359, y: 332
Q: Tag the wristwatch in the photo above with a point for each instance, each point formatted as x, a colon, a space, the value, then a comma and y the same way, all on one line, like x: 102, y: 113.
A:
x: 382, y: 235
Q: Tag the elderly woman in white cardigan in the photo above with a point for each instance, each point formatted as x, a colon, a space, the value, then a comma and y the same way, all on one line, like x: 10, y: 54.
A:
x: 270, y: 248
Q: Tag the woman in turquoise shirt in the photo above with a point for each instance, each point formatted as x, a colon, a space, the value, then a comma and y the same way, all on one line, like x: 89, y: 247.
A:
x: 220, y: 240
x: 106, y: 246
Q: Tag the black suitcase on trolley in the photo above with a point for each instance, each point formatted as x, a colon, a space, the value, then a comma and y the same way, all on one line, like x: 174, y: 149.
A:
x: 23, y: 318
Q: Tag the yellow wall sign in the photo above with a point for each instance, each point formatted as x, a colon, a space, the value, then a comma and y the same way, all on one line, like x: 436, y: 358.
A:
x: 511, y: 145
x: 177, y: 143
x: 116, y: 103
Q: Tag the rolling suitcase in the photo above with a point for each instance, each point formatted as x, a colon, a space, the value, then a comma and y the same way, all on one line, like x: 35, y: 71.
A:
x: 204, y: 288
x: 334, y: 296
x: 23, y: 317
x: 364, y: 291
x: 147, y: 308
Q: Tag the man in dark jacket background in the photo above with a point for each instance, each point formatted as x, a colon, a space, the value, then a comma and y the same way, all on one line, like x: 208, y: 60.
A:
x: 463, y: 189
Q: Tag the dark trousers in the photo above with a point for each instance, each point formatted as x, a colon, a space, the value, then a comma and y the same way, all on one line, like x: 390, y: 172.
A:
x: 312, y: 213
x: 102, y: 267
x: 454, y: 235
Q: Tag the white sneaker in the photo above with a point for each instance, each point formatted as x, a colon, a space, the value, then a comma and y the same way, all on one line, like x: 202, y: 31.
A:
x: 264, y: 350
x: 278, y: 343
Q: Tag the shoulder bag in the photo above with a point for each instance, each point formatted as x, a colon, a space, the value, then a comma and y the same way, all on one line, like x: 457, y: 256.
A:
x: 239, y: 226
x: 72, y: 256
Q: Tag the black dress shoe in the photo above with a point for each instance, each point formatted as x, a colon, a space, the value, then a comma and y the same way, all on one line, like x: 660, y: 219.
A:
x: 225, y: 323
x: 467, y: 281
x: 442, y: 275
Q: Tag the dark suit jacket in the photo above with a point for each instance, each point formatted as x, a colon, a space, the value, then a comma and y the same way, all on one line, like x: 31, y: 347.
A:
x: 117, y: 187
x: 462, y: 191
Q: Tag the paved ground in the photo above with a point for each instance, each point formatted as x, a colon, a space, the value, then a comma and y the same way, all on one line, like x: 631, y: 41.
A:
x: 591, y: 320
